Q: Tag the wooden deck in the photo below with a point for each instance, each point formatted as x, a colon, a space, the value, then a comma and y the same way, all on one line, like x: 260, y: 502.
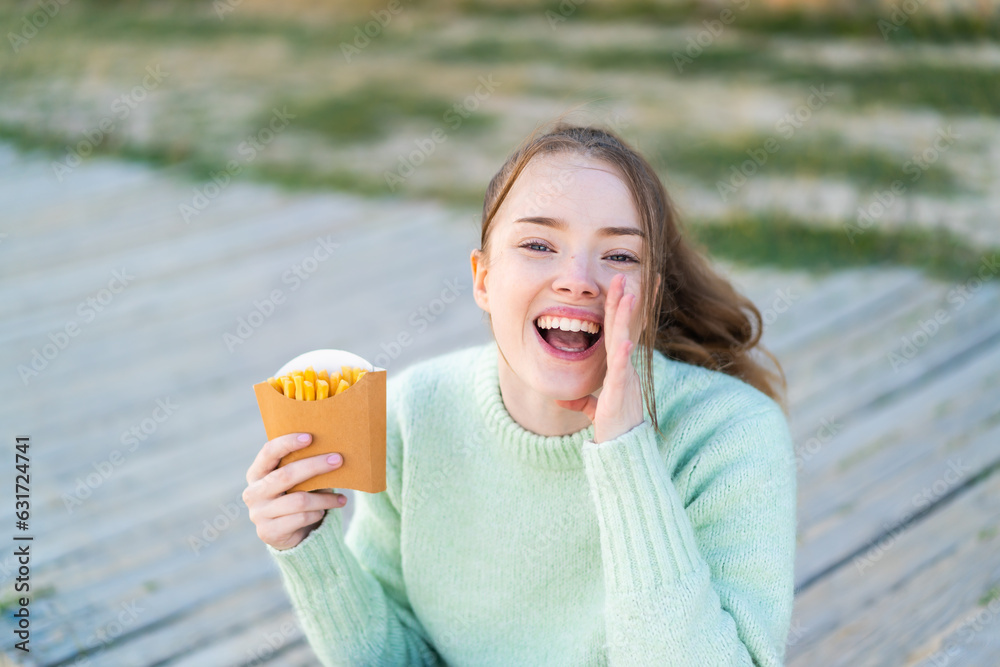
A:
x: 147, y: 557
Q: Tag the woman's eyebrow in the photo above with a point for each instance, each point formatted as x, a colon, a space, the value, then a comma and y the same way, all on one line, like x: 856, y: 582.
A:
x: 603, y: 231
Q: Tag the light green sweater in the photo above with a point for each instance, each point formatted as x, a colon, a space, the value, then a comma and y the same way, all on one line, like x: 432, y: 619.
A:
x: 493, y: 545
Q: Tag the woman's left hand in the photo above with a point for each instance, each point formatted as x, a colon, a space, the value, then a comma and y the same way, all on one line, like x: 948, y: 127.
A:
x: 618, y: 409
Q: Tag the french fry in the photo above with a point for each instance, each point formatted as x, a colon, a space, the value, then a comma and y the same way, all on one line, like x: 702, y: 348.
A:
x: 313, y: 385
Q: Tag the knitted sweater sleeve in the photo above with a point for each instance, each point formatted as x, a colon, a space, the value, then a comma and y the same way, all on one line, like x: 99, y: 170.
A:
x: 709, y: 581
x: 348, y: 590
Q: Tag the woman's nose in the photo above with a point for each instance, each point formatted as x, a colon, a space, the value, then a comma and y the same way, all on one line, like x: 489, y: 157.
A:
x: 576, y: 276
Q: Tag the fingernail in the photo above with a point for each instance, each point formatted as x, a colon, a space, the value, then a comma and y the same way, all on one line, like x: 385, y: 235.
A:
x: 334, y: 459
x: 305, y: 437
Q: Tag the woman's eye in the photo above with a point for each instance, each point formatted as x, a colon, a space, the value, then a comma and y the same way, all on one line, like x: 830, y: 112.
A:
x: 628, y: 258
x: 619, y: 257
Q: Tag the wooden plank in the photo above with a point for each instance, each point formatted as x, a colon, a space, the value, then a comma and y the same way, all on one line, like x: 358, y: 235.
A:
x: 825, y: 299
x: 875, y: 382
x: 142, y: 218
x: 183, y: 258
x: 176, y: 593
x: 269, y: 640
x: 111, y: 362
x: 185, y: 285
x: 871, y: 292
x: 253, y: 605
x: 846, y: 374
x: 865, y: 478
x: 298, y: 655
x: 811, y: 369
x: 207, y: 246
x: 765, y: 285
x: 151, y: 214
x: 62, y: 203
x: 917, y: 600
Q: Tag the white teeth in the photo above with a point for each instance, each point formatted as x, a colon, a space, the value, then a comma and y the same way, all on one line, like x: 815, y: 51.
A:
x: 567, y: 324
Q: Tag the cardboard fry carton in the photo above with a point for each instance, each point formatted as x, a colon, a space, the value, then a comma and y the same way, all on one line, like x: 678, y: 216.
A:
x: 351, y: 423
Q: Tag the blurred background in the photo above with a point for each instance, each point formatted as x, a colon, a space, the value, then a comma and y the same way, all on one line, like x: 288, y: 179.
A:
x: 192, y: 193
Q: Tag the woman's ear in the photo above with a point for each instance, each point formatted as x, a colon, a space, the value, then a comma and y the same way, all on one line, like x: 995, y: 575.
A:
x: 479, y: 280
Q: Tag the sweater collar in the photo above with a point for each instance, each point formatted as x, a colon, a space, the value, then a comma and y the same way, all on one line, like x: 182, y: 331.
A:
x: 554, y: 452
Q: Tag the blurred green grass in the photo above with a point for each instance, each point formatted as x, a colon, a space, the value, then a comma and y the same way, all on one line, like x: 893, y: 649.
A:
x: 370, y: 111
x: 783, y: 242
x: 944, y: 87
x: 845, y: 19
x: 824, y: 156
x: 370, y: 108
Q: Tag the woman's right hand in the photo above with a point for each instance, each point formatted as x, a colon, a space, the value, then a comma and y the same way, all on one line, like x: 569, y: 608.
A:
x: 284, y: 519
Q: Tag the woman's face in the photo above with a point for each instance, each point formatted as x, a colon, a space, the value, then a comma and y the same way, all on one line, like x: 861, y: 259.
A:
x: 593, y: 233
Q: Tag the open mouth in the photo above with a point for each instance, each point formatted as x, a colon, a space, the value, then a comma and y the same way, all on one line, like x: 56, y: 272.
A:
x: 568, y: 338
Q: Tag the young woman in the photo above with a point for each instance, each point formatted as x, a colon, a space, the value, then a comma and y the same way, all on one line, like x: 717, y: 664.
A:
x: 546, y: 503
